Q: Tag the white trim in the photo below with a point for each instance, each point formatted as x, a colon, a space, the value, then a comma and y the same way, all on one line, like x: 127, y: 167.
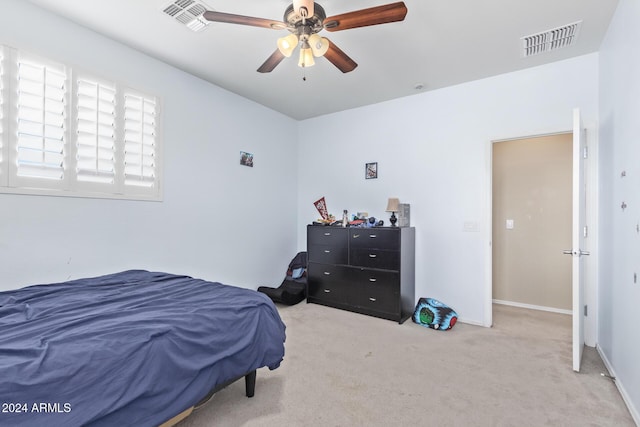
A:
x: 623, y: 392
x: 592, y: 220
x: 471, y: 322
x: 591, y: 267
x: 488, y: 259
x: 533, y: 307
x: 579, y: 219
x: 79, y: 193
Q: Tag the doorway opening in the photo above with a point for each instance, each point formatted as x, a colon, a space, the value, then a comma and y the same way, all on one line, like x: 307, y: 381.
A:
x: 532, y: 222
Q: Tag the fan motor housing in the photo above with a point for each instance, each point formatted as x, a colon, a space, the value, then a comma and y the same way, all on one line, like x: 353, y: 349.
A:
x: 312, y: 24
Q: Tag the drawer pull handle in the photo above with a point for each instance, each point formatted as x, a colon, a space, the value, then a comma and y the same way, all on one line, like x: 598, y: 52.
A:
x: 372, y: 236
x: 372, y: 299
x: 372, y: 255
x: 327, y: 273
x: 327, y: 234
x: 327, y: 251
x: 373, y: 279
x: 327, y: 291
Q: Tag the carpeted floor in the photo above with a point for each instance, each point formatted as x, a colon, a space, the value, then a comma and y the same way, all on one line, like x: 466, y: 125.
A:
x: 346, y: 369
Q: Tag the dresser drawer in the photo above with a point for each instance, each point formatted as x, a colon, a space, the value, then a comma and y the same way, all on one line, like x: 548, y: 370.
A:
x: 375, y: 238
x: 377, y: 290
x: 327, y: 235
x: 328, y: 254
x: 363, y: 276
x: 380, y: 298
x: 375, y: 258
x: 328, y: 283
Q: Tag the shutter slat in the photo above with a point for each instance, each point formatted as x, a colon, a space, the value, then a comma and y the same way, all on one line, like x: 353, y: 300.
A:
x: 42, y: 170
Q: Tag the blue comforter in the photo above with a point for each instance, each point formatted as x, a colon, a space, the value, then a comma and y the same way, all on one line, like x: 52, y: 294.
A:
x: 133, y: 348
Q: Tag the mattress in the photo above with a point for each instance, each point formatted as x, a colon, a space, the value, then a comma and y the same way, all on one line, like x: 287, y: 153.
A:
x: 131, y: 348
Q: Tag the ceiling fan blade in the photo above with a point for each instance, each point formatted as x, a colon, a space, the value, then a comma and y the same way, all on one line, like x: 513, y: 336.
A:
x: 271, y: 62
x: 340, y: 59
x: 243, y: 20
x: 393, y: 12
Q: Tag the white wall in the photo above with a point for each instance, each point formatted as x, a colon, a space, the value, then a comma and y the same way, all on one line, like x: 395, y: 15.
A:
x: 432, y: 152
x: 619, y: 294
x: 218, y: 220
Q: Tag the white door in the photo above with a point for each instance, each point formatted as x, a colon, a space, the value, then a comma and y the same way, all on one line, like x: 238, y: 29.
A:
x: 577, y: 251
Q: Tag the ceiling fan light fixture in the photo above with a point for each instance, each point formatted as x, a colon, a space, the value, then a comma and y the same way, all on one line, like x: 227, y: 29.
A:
x: 306, y: 58
x: 319, y: 45
x: 287, y: 44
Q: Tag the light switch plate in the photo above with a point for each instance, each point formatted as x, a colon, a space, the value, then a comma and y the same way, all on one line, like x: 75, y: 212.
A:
x: 509, y: 224
x: 471, y: 226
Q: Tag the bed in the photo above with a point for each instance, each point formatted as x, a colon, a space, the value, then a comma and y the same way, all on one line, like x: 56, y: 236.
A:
x: 135, y: 348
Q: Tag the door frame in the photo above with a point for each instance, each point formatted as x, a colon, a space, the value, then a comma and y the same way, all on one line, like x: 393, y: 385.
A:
x: 591, y: 268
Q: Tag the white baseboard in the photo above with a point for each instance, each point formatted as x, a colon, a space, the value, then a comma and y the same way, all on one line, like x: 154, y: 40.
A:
x: 532, y: 307
x: 632, y: 409
x: 470, y: 322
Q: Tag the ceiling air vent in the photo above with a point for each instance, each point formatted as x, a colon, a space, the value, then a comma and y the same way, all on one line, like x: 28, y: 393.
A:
x: 551, y: 40
x: 188, y: 13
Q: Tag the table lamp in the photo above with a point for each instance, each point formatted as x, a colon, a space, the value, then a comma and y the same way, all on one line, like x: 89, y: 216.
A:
x: 393, y: 206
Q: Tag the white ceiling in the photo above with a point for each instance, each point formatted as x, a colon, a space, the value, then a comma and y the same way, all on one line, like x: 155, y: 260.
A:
x: 440, y: 43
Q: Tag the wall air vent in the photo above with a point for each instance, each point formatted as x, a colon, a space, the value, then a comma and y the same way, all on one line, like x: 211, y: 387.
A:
x: 188, y: 13
x: 550, y: 40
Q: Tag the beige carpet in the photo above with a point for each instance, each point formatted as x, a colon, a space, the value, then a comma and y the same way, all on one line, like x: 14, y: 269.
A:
x: 346, y: 369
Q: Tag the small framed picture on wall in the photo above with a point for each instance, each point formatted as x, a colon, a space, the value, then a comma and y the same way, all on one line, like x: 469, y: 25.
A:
x: 246, y: 159
x: 371, y: 170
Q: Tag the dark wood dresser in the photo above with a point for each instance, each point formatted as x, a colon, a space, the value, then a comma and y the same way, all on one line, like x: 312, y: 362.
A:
x: 365, y: 270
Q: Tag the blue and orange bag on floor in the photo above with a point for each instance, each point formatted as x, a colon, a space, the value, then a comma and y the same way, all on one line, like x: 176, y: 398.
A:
x: 433, y: 314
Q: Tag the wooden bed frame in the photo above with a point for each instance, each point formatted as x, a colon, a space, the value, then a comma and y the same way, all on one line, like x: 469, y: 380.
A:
x: 250, y: 388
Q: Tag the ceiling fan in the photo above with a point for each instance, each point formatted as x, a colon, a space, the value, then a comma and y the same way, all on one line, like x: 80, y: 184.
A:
x: 304, y: 19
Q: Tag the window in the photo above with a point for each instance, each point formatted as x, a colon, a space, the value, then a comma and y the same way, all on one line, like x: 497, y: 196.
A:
x: 3, y: 114
x: 73, y: 133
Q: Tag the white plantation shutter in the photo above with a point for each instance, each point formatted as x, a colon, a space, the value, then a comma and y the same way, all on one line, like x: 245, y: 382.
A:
x: 67, y: 132
x: 3, y: 116
x: 96, y: 131
x: 41, y: 105
x: 140, y: 130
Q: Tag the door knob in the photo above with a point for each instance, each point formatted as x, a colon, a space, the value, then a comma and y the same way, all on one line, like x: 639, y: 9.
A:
x: 579, y: 252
